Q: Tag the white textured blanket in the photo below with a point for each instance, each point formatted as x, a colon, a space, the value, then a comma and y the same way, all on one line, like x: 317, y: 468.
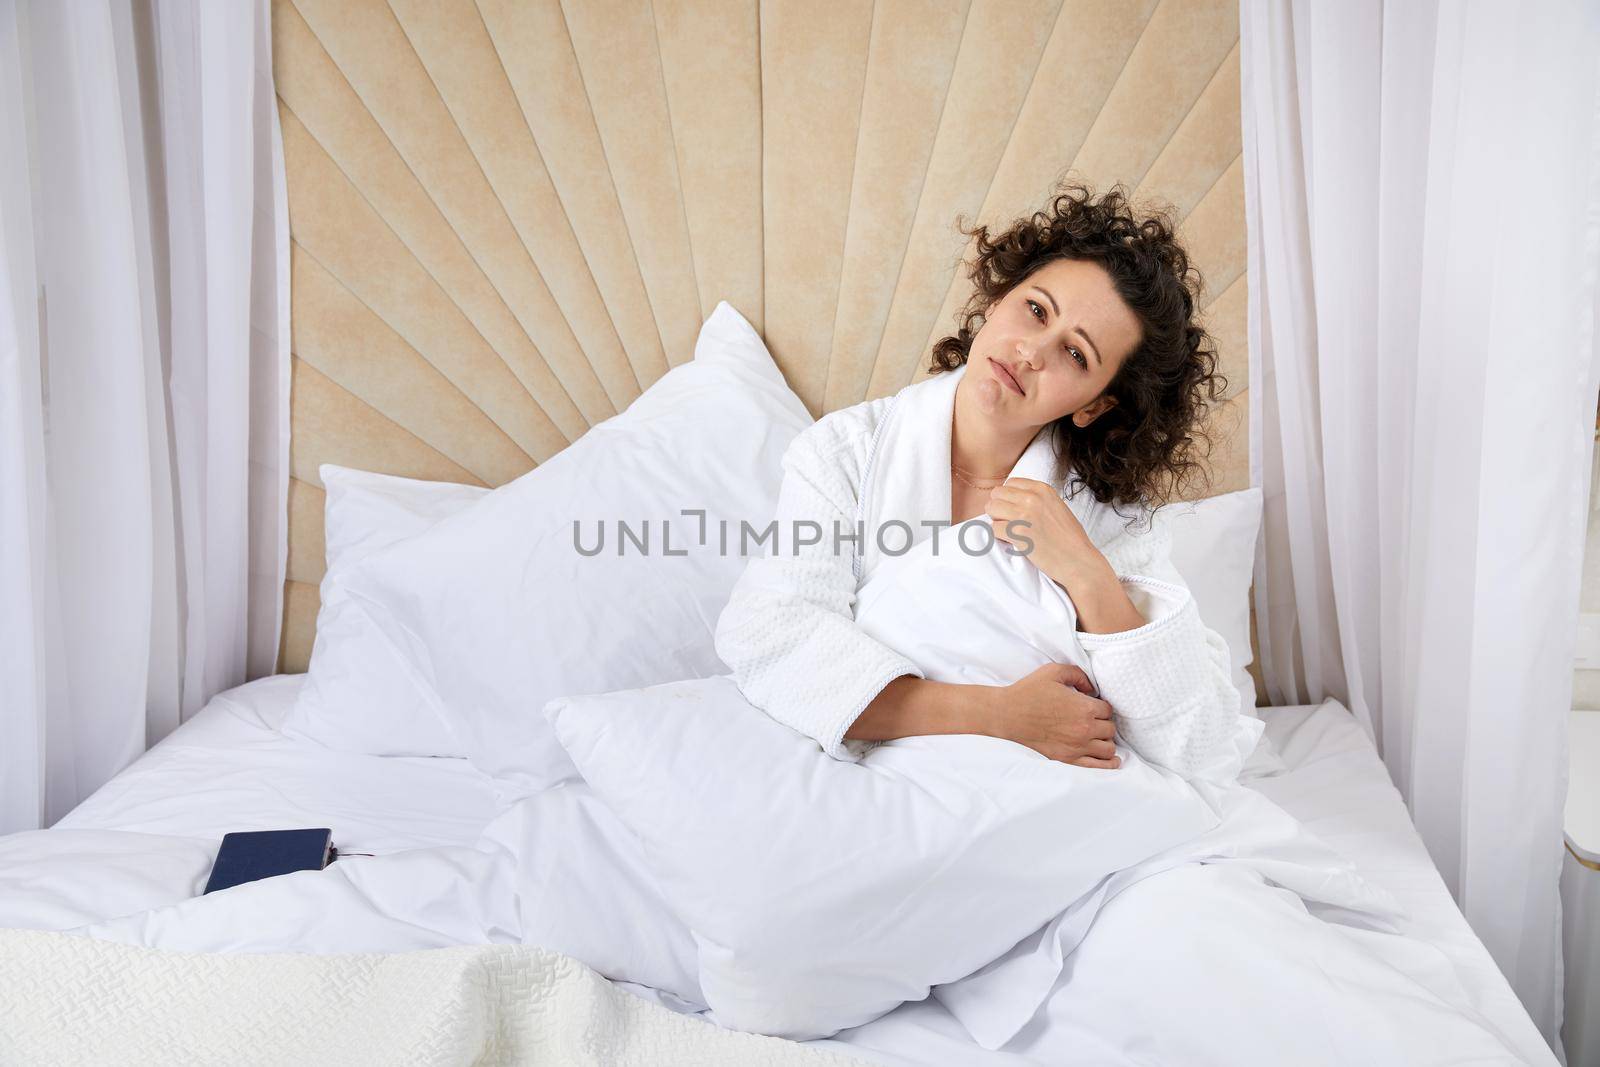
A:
x: 71, y: 999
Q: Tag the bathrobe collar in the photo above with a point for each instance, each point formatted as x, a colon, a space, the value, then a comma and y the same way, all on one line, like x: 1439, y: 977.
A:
x: 908, y: 469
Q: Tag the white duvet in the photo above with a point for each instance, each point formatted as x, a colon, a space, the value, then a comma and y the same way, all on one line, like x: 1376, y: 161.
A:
x: 705, y: 851
x: 1209, y: 959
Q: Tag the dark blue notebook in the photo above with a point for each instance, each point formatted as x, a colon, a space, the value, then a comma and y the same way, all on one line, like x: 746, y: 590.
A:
x: 245, y: 857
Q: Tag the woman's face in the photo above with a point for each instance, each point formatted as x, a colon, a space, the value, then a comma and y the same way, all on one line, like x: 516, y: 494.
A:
x: 1049, y: 347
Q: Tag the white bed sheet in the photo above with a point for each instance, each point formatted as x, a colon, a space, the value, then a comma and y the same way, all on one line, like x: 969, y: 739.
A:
x: 229, y: 769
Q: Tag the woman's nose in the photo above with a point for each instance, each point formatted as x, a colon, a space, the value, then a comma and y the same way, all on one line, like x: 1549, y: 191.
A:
x: 1025, y: 352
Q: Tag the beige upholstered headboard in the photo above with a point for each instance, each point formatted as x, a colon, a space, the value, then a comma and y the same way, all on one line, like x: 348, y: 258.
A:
x: 508, y: 217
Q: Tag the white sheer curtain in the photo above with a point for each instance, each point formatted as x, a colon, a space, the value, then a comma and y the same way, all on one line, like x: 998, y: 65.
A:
x: 144, y: 380
x: 1423, y: 194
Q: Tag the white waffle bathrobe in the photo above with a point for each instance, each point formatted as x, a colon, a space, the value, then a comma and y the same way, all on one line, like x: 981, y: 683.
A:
x: 789, y: 634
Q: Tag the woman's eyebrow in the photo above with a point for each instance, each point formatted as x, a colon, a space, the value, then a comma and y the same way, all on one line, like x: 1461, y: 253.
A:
x: 1053, y: 306
x: 1085, y: 333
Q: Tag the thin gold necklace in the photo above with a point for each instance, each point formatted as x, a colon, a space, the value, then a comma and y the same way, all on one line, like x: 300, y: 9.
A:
x: 967, y: 476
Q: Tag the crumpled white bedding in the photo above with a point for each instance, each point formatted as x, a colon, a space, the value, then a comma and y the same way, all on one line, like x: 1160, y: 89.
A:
x: 1222, y: 997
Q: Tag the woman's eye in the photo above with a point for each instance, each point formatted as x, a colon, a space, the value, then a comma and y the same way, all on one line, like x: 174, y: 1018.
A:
x: 1038, y: 312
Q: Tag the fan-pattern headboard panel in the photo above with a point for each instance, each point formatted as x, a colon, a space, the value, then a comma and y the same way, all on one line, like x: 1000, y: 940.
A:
x: 509, y: 217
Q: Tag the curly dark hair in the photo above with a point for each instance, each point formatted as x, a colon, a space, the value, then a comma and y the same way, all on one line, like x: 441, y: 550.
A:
x: 1151, y: 446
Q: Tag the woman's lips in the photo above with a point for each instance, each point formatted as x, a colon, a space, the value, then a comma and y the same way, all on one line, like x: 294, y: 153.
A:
x: 1002, y: 372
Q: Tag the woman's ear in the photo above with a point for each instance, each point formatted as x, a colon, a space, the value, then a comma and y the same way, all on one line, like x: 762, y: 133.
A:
x: 1093, y: 410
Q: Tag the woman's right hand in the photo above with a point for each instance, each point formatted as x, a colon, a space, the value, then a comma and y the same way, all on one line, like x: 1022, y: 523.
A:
x: 1055, y: 712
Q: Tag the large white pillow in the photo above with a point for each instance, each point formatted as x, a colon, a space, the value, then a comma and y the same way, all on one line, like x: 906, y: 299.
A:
x: 585, y: 889
x: 357, y: 696
x: 499, y: 608
x: 1214, y: 548
x: 822, y: 893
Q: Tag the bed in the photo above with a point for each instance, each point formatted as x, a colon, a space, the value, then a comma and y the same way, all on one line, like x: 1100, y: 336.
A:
x: 229, y: 768
x: 508, y: 220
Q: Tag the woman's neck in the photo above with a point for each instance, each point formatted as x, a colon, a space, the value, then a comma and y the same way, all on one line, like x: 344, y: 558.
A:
x: 981, y: 448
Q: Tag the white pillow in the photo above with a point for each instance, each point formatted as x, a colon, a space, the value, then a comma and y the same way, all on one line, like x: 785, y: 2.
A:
x: 357, y: 696
x: 584, y: 889
x: 1214, y: 549
x: 920, y: 864
x: 822, y: 893
x: 499, y: 608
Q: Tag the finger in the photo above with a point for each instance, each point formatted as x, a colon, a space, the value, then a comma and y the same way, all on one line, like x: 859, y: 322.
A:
x: 1072, y: 674
x: 1025, y: 485
x: 1014, y: 502
x: 1103, y: 729
x: 996, y: 508
x: 1099, y: 764
x: 1101, y: 749
x: 1102, y: 710
x: 1068, y: 674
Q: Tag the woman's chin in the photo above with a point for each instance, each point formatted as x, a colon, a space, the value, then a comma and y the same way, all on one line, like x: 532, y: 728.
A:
x: 990, y: 395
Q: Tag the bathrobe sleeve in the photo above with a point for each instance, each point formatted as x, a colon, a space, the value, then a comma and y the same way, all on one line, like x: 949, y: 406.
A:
x: 1169, y: 682
x: 788, y: 632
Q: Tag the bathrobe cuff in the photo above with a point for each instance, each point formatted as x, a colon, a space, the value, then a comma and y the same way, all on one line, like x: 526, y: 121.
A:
x: 1168, y: 685
x: 834, y: 742
x: 1158, y: 667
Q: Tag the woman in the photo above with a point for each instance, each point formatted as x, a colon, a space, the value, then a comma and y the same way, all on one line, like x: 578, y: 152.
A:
x: 1081, y: 334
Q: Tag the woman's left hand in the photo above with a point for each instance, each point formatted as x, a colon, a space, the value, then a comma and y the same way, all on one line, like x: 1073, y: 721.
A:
x: 1059, y: 546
